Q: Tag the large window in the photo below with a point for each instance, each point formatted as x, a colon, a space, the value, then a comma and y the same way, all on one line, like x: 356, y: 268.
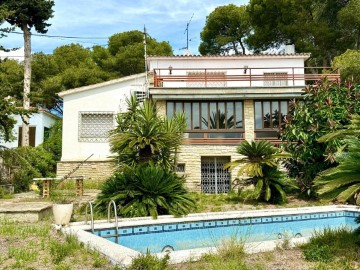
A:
x: 210, y: 119
x: 95, y: 126
x: 269, y: 116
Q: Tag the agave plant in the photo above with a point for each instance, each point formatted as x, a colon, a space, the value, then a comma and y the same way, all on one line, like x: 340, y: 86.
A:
x: 146, y: 191
x: 260, y: 164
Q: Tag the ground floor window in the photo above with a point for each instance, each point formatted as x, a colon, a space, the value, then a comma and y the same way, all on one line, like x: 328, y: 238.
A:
x: 269, y: 116
x: 95, y: 126
x: 32, y: 136
x: 210, y: 119
x: 214, y: 178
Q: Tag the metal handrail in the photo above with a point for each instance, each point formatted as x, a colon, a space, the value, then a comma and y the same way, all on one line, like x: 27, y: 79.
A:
x: 91, y: 216
x: 112, y: 202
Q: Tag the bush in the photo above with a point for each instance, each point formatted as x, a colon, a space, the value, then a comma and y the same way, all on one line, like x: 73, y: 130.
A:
x: 27, y: 163
x: 146, y: 191
x: 149, y: 262
x: 328, y: 244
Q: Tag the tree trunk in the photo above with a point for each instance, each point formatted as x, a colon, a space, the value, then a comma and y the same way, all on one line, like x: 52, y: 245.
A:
x: 27, y: 81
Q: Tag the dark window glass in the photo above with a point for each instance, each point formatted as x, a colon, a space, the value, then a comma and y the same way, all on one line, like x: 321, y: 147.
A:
x: 221, y: 115
x: 214, y: 116
x: 187, y: 112
x: 275, y: 114
x: 170, y: 109
x: 284, y: 110
x: 230, y: 122
x: 195, y: 115
x: 266, y: 114
x: 258, y: 115
x: 239, y: 114
x: 204, y: 115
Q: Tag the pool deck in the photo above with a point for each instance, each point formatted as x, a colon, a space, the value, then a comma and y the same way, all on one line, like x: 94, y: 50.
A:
x: 123, y: 256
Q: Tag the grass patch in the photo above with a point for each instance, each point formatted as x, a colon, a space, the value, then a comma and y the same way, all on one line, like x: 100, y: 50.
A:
x: 332, y: 244
x: 59, y: 251
x: 10, y: 228
x: 149, y: 262
x: 22, y: 256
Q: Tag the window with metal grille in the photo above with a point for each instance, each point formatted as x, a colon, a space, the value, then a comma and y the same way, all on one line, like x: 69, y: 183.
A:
x: 269, y: 116
x: 95, y: 126
x: 276, y: 79
x: 214, y: 178
x: 206, y: 79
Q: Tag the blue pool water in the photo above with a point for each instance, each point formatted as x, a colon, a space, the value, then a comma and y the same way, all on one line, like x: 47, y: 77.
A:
x: 210, y: 233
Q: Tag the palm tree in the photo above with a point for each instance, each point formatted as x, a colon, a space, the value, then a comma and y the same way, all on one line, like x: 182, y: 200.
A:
x: 142, y: 136
x: 146, y: 191
x: 343, y: 182
x: 260, y: 164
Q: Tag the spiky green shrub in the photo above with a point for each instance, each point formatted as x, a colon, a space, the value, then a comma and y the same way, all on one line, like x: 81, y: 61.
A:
x: 260, y: 164
x: 146, y: 191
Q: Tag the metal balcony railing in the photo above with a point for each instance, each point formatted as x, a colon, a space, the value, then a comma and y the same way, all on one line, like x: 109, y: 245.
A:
x: 242, y: 77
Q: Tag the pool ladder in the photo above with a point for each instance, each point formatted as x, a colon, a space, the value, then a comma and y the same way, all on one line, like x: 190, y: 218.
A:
x: 111, y: 203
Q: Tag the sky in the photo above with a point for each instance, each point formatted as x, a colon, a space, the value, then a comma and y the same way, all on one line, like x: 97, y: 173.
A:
x: 165, y: 20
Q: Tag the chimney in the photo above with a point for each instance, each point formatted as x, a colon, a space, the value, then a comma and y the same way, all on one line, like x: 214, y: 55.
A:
x: 289, y: 49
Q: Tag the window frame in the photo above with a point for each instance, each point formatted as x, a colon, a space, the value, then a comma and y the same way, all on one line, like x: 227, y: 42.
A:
x: 208, y: 132
x: 280, y: 119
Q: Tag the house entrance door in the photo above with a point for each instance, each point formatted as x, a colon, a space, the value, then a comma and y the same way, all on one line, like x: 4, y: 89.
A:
x: 214, y: 179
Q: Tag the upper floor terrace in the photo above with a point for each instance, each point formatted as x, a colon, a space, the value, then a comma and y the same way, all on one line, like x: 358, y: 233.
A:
x: 245, y: 77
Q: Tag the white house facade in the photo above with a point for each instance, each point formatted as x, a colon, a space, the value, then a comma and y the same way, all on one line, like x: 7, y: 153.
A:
x: 88, y: 115
x: 225, y: 99
x: 39, y: 124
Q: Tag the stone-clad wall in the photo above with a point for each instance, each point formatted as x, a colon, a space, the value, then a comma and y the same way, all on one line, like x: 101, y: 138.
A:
x: 98, y: 170
x: 249, y: 120
x: 191, y: 156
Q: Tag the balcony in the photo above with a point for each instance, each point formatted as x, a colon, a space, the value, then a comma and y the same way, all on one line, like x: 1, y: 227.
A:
x: 271, y: 77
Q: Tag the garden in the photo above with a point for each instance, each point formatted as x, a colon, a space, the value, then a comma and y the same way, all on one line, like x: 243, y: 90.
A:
x: 316, y: 164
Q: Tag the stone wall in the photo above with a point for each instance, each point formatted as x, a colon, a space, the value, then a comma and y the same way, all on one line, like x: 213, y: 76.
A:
x: 98, y: 170
x: 191, y: 156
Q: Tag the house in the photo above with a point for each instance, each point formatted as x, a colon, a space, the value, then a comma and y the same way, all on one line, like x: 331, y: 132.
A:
x: 88, y: 115
x: 39, y: 125
x: 226, y: 99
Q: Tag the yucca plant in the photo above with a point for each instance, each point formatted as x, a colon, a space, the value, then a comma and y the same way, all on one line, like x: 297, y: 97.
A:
x: 260, y: 164
x: 142, y: 136
x: 146, y: 191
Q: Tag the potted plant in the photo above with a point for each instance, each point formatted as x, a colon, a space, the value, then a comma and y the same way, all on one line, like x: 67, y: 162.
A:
x: 62, y: 207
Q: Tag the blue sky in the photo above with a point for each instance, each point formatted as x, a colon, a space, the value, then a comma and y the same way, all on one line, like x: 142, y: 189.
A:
x: 164, y: 20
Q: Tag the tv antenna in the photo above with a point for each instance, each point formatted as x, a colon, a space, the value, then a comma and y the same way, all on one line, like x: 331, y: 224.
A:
x: 187, y: 33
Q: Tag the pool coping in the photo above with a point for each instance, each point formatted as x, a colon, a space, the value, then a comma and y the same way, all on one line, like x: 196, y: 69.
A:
x: 122, y: 255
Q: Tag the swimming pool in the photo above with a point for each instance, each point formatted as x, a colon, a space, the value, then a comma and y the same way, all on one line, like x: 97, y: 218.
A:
x: 199, y: 233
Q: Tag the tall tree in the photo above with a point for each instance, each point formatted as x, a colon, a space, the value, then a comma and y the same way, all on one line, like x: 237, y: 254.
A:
x: 26, y: 15
x: 125, y: 54
x: 225, y: 31
x: 349, y: 65
x: 311, y: 25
